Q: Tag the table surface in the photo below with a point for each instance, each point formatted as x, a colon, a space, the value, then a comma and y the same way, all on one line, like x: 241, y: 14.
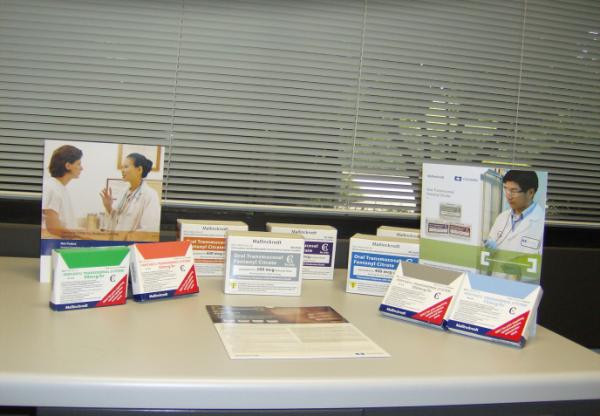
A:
x: 167, y: 354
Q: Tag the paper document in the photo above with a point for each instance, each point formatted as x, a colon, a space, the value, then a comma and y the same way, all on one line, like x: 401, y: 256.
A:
x: 260, y: 332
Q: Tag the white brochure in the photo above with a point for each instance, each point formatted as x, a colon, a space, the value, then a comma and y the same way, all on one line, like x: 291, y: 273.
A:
x: 261, y: 263
x: 495, y: 309
x: 421, y: 294
x: 260, y: 332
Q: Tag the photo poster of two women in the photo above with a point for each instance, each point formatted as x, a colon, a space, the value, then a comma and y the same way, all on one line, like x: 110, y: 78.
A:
x: 98, y: 194
x: 488, y: 220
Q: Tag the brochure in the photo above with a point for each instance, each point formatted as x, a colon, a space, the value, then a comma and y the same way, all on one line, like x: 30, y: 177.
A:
x: 261, y: 332
x: 484, y: 220
x: 98, y: 194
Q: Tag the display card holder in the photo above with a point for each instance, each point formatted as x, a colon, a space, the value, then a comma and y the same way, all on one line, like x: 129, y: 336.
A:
x: 89, y: 277
x: 162, y: 270
x: 421, y: 294
x: 495, y: 309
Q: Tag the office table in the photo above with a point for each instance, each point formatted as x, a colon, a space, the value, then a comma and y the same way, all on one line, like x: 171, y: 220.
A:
x: 167, y: 355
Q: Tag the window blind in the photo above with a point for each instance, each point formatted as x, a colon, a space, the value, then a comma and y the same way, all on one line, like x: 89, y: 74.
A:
x: 266, y: 98
x: 82, y: 70
x: 325, y: 104
x: 559, y: 114
x: 439, y: 82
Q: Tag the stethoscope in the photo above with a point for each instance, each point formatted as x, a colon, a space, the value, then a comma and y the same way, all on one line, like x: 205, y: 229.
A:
x: 127, y: 198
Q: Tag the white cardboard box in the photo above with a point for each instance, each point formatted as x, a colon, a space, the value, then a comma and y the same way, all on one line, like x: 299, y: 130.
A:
x: 263, y: 263
x: 398, y: 232
x: 320, y: 242
x: 372, y: 262
x: 208, y: 243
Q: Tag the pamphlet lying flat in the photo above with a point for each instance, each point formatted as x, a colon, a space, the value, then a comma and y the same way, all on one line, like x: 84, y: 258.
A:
x: 261, y: 332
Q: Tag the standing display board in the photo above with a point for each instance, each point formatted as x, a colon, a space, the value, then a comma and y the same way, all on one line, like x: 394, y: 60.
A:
x: 98, y: 194
x: 485, y: 220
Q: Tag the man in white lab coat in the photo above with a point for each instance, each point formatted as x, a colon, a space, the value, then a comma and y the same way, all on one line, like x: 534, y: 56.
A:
x: 520, y: 228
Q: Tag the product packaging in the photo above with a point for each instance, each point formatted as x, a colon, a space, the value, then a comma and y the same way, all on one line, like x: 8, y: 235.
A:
x: 89, y: 277
x: 162, y: 270
x: 263, y: 263
x: 398, y: 232
x: 495, y: 309
x: 421, y: 294
x: 372, y: 262
x: 319, y: 247
x: 208, y: 243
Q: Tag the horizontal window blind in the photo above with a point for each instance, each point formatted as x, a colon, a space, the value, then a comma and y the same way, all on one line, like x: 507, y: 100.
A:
x: 265, y: 105
x: 559, y: 115
x: 323, y: 104
x: 82, y: 70
x: 439, y: 82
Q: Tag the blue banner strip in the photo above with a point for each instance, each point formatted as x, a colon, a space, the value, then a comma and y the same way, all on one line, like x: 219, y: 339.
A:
x: 143, y: 297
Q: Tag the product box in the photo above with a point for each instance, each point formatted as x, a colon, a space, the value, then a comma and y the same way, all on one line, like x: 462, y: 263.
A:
x: 495, y: 309
x: 421, y: 294
x: 89, y: 277
x: 162, y: 270
x: 263, y: 263
x: 319, y: 248
x: 372, y: 262
x: 398, y: 232
x: 208, y: 243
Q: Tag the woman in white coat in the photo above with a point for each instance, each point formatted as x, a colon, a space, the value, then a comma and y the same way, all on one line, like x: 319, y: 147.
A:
x: 520, y: 228
x: 139, y: 208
